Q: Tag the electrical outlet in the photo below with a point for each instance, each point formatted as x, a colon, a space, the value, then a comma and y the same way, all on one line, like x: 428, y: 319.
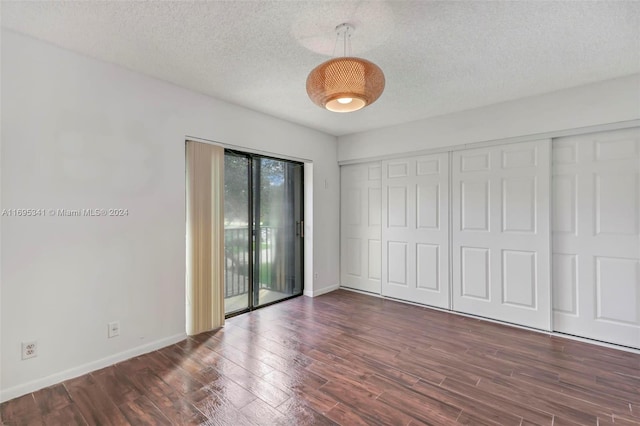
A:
x: 114, y: 329
x: 29, y: 349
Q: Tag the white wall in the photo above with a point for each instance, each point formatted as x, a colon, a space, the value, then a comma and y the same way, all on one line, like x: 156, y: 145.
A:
x: 610, y: 101
x: 79, y: 133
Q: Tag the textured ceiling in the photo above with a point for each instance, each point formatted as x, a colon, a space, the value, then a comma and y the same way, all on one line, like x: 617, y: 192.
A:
x: 438, y: 57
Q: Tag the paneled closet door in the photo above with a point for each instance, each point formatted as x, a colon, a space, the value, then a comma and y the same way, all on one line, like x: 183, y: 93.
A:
x: 501, y: 233
x: 596, y: 236
x: 360, y: 252
x: 415, y: 229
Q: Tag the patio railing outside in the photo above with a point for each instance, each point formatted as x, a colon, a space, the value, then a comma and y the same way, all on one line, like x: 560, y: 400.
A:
x: 238, y: 260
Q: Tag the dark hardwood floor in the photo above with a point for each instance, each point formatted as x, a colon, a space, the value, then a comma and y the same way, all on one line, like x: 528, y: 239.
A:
x: 351, y: 359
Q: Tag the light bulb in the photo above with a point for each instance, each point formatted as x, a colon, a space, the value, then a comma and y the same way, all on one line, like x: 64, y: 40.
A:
x: 345, y: 100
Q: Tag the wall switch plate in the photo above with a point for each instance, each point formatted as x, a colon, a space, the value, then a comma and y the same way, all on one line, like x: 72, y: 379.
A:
x: 114, y: 329
x: 29, y: 349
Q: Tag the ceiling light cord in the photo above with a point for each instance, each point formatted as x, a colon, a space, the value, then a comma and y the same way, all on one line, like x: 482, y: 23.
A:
x: 344, y: 31
x: 344, y: 47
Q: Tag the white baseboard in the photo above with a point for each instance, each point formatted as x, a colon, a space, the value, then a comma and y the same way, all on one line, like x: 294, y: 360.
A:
x: 322, y: 291
x: 34, y: 385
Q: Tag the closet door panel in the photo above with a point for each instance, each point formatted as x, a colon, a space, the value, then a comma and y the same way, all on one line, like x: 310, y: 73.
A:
x: 596, y: 236
x: 360, y: 221
x: 415, y: 228
x: 501, y: 233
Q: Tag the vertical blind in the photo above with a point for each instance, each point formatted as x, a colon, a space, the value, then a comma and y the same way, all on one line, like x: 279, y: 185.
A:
x: 205, y: 237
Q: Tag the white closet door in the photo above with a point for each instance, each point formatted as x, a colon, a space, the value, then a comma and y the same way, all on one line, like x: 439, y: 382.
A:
x: 501, y: 233
x: 596, y: 236
x: 415, y: 230
x: 360, y: 252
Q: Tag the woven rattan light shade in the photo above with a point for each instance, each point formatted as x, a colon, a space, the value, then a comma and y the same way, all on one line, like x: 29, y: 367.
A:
x: 345, y: 84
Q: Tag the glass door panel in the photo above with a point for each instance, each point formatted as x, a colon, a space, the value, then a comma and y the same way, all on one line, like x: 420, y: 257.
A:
x: 237, y: 241
x: 278, y: 230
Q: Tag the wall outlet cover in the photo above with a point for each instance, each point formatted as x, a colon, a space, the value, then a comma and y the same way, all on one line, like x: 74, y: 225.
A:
x: 29, y: 349
x: 113, y: 329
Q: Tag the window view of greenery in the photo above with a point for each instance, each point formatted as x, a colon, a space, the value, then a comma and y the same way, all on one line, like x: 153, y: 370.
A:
x: 275, y: 184
x: 236, y: 232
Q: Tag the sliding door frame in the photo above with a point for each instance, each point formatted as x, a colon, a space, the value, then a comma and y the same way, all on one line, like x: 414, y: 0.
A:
x: 254, y: 239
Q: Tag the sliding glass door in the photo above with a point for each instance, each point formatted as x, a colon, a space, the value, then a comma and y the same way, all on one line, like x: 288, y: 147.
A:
x: 263, y: 230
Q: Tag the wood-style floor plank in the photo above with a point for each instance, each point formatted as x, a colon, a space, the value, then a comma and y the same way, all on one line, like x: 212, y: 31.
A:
x: 67, y: 415
x: 52, y: 399
x: 96, y: 406
x: 142, y: 411
x: 350, y: 359
x: 22, y: 410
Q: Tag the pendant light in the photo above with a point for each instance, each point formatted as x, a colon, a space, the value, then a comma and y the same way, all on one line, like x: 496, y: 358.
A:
x: 345, y: 84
